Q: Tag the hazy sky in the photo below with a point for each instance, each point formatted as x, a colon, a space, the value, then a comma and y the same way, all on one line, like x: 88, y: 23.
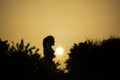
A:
x: 69, y: 21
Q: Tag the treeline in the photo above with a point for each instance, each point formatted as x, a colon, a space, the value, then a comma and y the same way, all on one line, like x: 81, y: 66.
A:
x: 88, y: 60
x: 23, y: 62
x: 91, y: 60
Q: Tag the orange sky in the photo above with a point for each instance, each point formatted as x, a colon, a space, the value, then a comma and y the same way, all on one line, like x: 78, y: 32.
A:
x: 69, y: 21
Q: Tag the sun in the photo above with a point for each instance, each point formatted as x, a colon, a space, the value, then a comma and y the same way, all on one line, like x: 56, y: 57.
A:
x: 59, y: 50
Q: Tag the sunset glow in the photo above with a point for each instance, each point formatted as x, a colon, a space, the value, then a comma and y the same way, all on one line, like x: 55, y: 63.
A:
x: 69, y: 21
x: 59, y: 50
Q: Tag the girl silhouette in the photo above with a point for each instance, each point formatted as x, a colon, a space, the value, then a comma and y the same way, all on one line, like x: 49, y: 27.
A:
x: 48, y: 42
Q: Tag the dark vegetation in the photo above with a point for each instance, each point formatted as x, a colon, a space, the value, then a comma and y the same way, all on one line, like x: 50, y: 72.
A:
x: 22, y: 62
x: 95, y: 60
x: 87, y: 61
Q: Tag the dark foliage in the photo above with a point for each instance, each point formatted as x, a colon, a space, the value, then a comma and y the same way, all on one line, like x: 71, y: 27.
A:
x: 22, y: 62
x: 95, y: 61
x: 87, y: 61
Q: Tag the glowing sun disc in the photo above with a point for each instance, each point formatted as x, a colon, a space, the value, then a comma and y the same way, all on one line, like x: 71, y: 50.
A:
x: 59, y: 50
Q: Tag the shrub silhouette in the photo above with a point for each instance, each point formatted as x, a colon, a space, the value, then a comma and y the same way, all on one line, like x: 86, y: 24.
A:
x: 22, y: 62
x: 92, y: 61
x: 87, y: 61
x: 111, y: 51
x: 3, y: 57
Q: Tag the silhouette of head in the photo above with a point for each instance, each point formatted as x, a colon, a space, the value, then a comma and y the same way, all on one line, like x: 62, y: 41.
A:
x: 48, y: 42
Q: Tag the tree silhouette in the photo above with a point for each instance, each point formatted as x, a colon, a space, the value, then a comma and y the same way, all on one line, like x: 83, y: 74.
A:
x: 111, y: 51
x: 87, y: 61
x: 82, y: 60
x: 18, y: 62
x: 22, y: 62
x: 3, y: 57
x: 92, y: 61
